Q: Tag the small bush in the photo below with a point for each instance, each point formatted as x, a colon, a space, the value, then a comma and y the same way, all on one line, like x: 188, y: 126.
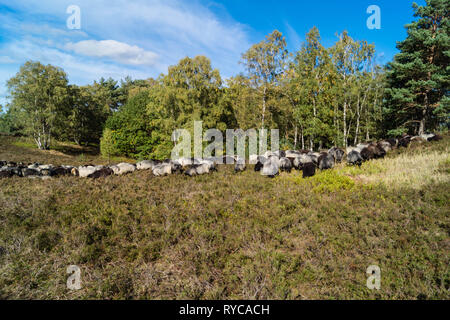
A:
x: 328, y: 181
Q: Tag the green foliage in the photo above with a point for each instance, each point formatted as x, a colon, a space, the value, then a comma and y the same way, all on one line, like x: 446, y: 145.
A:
x: 192, y: 90
x: 317, y: 97
x: 86, y: 118
x: 39, y: 100
x: 265, y: 63
x: 128, y: 131
x: 327, y: 181
x: 9, y: 122
x: 107, y: 144
x: 418, y: 79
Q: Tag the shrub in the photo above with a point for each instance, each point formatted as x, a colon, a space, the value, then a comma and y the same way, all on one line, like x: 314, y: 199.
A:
x: 107, y: 146
x: 133, y: 131
x: 327, y: 181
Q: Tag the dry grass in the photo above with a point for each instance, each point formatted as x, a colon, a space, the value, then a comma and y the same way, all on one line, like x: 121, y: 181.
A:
x: 415, y: 171
x: 226, y: 235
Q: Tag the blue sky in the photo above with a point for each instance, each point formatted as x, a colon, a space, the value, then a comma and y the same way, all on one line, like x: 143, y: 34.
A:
x: 141, y: 38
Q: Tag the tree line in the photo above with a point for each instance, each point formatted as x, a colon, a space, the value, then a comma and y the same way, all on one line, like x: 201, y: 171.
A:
x: 317, y: 97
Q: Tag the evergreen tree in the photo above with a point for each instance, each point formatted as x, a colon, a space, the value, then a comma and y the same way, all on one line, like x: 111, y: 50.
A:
x: 418, y: 78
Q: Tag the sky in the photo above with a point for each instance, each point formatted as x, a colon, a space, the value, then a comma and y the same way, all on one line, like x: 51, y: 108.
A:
x: 141, y: 38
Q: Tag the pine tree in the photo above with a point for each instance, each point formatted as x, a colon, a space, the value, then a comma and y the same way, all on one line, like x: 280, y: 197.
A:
x: 418, y: 78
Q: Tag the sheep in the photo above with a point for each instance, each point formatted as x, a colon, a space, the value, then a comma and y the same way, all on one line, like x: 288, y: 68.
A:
x: 367, y: 154
x: 103, y: 172
x: 45, y: 169
x: 253, y: 159
x: 427, y: 136
x: 326, y: 161
x: 210, y: 164
x: 285, y: 164
x: 60, y: 171
x: 6, y: 172
x: 280, y: 154
x: 162, y: 169
x: 393, y: 142
x: 11, y: 164
x: 271, y: 167
x: 176, y: 167
x: 309, y: 170
x: 75, y: 172
x: 385, y: 145
x: 26, y: 172
x: 337, y: 154
x: 185, y: 162
x: 190, y: 171
x: 146, y: 164
x: 260, y: 163
x: 258, y: 166
x: 354, y: 157
x: 300, y: 161
x: 268, y: 154
x: 123, y: 168
x: 202, y: 168
x: 361, y: 146
x: 33, y: 165
x: 197, y: 169
x: 404, y: 141
x: 375, y: 150
x: 85, y: 171
x: 292, y: 153
x: 314, y: 157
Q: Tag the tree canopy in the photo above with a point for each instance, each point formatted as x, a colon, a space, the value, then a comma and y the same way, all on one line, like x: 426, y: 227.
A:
x: 317, y: 97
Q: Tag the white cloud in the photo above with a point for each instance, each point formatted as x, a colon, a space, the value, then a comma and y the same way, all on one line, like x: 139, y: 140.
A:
x: 139, y: 38
x: 114, y: 50
x: 6, y: 60
x: 81, y: 70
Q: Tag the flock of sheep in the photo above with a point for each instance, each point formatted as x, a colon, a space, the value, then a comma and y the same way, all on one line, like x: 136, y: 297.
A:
x: 269, y: 164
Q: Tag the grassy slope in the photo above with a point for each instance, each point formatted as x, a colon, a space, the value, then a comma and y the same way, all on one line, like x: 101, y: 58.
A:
x: 226, y: 235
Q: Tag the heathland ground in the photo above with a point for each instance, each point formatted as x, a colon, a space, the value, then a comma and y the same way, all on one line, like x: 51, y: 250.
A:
x: 227, y: 235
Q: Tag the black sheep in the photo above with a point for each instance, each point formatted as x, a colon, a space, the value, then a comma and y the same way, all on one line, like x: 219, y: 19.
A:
x: 285, y: 165
x: 367, y: 154
x: 104, y: 172
x: 354, y: 157
x: 59, y: 171
x: 337, y: 153
x: 6, y: 173
x: 326, y: 161
x: 404, y: 141
x: 309, y: 169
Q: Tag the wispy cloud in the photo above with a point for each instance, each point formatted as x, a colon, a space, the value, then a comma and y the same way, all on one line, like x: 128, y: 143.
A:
x: 114, y: 50
x: 6, y: 60
x: 118, y: 37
